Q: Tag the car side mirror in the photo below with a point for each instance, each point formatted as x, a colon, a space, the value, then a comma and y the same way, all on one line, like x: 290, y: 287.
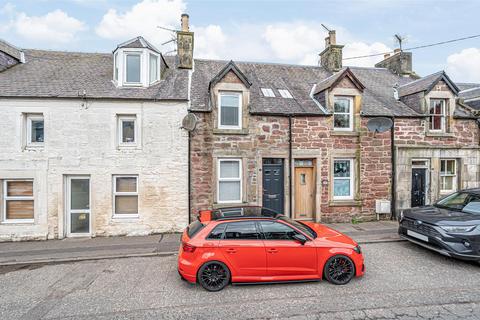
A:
x: 300, y: 238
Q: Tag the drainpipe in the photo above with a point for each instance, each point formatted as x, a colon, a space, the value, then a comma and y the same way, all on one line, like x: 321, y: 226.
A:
x: 290, y: 165
x: 392, y: 146
x: 189, y: 178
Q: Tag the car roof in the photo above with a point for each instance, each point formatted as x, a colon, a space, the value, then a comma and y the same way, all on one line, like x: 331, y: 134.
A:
x: 244, y: 212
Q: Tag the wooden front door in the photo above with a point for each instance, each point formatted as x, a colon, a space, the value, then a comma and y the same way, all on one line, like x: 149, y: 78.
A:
x: 304, y: 191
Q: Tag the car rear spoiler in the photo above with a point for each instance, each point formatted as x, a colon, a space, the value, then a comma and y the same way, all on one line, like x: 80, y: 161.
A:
x: 204, y: 215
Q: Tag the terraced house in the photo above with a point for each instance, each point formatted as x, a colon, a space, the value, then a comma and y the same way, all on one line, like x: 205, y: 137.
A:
x: 295, y: 138
x: 92, y: 143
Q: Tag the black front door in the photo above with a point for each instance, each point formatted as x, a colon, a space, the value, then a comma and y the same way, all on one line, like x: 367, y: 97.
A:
x: 273, y: 187
x: 418, y: 186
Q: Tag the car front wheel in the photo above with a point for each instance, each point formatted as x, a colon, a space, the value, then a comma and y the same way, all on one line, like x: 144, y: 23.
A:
x: 339, y: 269
x: 214, y: 276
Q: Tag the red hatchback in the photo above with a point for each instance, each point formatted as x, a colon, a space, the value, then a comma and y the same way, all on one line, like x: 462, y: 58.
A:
x: 255, y: 244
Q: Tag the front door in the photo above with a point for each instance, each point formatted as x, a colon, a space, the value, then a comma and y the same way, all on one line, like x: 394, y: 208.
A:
x: 419, y: 177
x: 304, y: 189
x: 273, y: 185
x: 78, y: 220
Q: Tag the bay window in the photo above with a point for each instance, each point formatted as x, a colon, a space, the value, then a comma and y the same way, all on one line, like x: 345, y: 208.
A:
x: 153, y: 68
x: 133, y: 68
x: 343, y: 114
x: 229, y: 181
x: 343, y: 179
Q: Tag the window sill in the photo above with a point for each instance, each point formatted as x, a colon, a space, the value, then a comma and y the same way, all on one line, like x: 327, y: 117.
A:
x: 345, y: 133
x: 19, y: 222
x: 439, y: 134
x: 231, y: 131
x: 39, y: 147
x: 125, y: 217
x: 128, y: 147
x: 345, y: 203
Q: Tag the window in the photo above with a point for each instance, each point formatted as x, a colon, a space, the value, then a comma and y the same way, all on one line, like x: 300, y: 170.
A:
x: 343, y: 179
x: 267, y: 92
x: 285, y: 93
x: 217, y: 233
x: 343, y: 114
x: 229, y: 181
x: 277, y: 231
x: 230, y: 110
x: 153, y: 68
x: 125, y: 193
x: 245, y: 230
x: 18, y: 203
x: 133, y: 68
x: 127, y: 131
x: 437, y: 115
x: 115, y: 72
x: 448, y: 175
x: 35, y: 130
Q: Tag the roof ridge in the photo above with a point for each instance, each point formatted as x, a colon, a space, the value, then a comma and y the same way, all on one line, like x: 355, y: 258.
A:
x: 68, y: 52
x: 259, y: 62
x: 422, y: 78
x: 469, y: 89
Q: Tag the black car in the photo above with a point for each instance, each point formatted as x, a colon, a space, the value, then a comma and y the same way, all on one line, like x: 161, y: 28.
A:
x: 450, y: 227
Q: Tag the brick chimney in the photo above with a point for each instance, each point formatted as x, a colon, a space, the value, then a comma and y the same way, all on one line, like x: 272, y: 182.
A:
x: 399, y: 63
x: 185, y: 44
x: 331, y: 56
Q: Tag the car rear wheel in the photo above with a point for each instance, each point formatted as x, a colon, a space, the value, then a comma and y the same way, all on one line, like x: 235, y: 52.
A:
x: 339, y: 269
x: 214, y: 276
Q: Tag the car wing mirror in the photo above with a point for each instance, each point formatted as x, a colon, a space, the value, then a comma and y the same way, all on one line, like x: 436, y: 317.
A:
x: 300, y: 238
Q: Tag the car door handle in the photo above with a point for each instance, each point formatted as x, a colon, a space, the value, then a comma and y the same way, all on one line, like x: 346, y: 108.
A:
x: 272, y: 250
x: 231, y: 250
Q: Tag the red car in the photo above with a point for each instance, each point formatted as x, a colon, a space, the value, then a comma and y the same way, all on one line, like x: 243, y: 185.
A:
x: 255, y: 244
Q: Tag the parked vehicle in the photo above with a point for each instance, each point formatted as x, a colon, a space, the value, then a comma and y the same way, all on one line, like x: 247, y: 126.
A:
x: 254, y: 244
x: 449, y: 227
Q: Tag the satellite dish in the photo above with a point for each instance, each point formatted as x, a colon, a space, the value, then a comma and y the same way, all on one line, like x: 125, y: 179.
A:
x: 189, y: 122
x: 379, y: 125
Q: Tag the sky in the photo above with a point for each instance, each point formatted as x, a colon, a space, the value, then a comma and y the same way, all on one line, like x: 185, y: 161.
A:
x: 262, y: 30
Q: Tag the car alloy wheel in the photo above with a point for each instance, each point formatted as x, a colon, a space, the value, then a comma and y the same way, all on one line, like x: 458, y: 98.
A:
x: 214, y: 276
x: 339, y: 269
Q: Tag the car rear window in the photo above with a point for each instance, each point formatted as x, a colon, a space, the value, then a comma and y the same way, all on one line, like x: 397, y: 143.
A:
x: 194, y: 228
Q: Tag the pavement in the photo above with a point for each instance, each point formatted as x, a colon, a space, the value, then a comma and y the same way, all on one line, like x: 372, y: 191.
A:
x: 402, y: 281
x: 79, y: 249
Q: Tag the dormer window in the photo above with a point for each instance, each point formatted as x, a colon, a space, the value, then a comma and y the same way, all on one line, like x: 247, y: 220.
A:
x: 230, y: 110
x: 343, y: 114
x: 136, y: 63
x: 437, y: 115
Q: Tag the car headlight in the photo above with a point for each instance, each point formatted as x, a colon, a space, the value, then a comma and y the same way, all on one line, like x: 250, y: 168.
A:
x: 357, y: 249
x: 458, y: 229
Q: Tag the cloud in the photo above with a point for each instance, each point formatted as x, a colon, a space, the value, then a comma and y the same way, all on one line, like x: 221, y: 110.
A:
x: 142, y: 19
x: 355, y: 49
x: 464, y: 66
x: 209, y: 41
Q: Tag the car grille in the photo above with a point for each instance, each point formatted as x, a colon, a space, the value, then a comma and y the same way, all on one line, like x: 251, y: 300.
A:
x: 421, y: 228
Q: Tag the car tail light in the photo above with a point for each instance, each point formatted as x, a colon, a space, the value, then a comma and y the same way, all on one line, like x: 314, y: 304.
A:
x: 188, y: 247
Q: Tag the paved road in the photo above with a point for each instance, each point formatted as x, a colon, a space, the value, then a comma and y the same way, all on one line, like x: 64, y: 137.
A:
x: 403, y: 281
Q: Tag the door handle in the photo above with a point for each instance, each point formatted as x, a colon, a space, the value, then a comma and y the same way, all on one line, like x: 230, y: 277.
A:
x: 231, y: 250
x: 272, y: 250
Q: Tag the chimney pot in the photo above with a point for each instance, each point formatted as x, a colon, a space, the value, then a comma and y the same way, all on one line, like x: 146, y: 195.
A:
x: 386, y: 55
x: 185, y: 45
x: 185, y: 22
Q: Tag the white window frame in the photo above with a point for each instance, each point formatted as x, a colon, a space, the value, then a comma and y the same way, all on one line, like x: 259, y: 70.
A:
x: 18, y: 198
x: 285, y: 93
x: 125, y: 55
x: 267, y: 92
x: 351, y: 178
x: 150, y: 55
x: 115, y: 194
x: 120, y: 119
x: 454, y: 175
x: 239, y: 179
x: 350, y: 113
x: 443, y: 122
x: 240, y: 104
x: 29, y: 118
x: 115, y: 67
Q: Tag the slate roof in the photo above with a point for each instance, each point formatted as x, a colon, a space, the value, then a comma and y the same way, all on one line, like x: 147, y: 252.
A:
x: 138, y: 42
x: 464, y: 85
x: 66, y: 74
x: 474, y: 104
x: 335, y: 78
x: 11, y: 50
x: 426, y: 84
x: 377, y: 97
x: 470, y: 93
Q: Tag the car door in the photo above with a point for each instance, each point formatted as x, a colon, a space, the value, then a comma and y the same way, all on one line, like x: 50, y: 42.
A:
x: 286, y: 256
x: 243, y: 248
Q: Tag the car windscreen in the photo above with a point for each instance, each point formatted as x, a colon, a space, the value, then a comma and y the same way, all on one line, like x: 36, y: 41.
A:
x: 300, y: 226
x: 461, y: 201
x: 194, y: 228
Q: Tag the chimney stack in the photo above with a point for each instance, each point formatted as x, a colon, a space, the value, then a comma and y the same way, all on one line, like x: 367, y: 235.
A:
x: 399, y: 62
x: 185, y: 44
x: 331, y: 56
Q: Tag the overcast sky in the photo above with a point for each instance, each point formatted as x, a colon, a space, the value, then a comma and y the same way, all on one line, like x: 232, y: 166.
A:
x: 271, y: 31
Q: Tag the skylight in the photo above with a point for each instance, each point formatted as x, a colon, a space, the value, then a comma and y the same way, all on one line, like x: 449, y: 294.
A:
x: 285, y: 93
x: 267, y: 92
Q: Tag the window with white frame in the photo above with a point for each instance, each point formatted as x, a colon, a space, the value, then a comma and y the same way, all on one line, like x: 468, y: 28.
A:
x: 133, y: 68
x: 267, y: 92
x: 343, y: 114
x: 18, y: 201
x: 229, y: 181
x: 437, y: 115
x: 35, y: 132
x: 448, y: 175
x: 125, y: 196
x: 285, y: 93
x: 153, y: 68
x: 127, y: 130
x: 115, y: 62
x: 343, y: 179
x: 230, y: 110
